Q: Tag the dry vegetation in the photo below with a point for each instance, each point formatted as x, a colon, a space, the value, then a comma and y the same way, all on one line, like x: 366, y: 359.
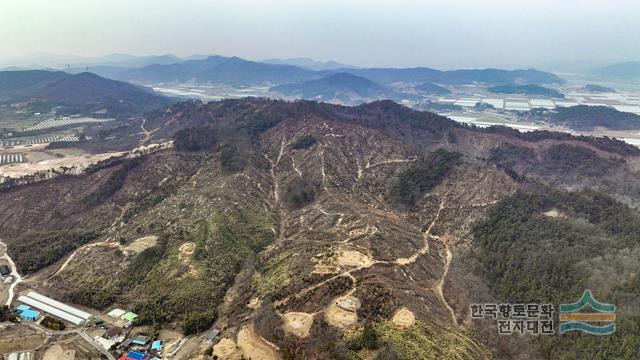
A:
x: 382, y: 208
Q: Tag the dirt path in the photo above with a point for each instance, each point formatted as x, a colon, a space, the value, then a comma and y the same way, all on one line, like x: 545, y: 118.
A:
x: 146, y: 133
x: 447, y: 263
x: 426, y: 236
x: 73, y: 255
x: 392, y: 161
x: 274, y: 164
x: 14, y: 272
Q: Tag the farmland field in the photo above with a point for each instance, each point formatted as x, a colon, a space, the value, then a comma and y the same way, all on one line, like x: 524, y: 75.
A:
x: 55, y: 122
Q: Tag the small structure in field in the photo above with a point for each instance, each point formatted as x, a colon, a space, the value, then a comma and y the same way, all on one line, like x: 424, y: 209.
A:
x: 116, y: 313
x: 156, y: 346
x: 213, y: 335
x: 4, y: 270
x: 130, y: 316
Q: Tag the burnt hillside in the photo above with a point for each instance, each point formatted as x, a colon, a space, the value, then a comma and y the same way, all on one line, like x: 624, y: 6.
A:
x: 316, y: 227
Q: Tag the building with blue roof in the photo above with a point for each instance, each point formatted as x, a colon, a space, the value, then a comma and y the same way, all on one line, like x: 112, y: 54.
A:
x: 29, y: 314
x: 156, y: 345
x: 136, y: 355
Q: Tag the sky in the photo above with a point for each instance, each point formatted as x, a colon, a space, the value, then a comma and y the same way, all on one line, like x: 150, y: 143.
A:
x: 399, y: 33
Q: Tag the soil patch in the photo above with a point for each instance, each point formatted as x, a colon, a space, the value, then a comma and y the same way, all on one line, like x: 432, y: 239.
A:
x: 403, y: 318
x: 298, y: 323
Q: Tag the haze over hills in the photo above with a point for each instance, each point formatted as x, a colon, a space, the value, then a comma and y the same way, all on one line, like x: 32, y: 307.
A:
x: 240, y: 71
x: 310, y: 63
x: 39, y: 61
x: 624, y: 70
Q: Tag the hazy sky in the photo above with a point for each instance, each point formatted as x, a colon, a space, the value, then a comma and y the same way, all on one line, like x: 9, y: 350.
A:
x: 454, y: 33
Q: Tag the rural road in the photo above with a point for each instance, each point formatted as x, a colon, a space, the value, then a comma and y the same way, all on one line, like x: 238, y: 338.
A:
x: 79, y: 331
x: 14, y: 273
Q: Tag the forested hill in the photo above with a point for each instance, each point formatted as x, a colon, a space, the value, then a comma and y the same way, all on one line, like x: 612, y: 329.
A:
x: 583, y: 117
x: 339, y: 232
x: 530, y: 89
x: 341, y: 87
x: 80, y: 93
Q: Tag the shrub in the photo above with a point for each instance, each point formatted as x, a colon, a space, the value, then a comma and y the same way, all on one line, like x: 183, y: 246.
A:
x: 425, y: 174
x: 53, y: 324
x: 298, y: 193
x: 304, y: 142
x: 230, y: 159
x: 196, y: 322
x: 195, y: 139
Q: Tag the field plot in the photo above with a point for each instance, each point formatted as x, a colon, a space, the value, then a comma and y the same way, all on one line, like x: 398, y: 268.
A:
x: 496, y: 103
x: 463, y: 119
x: 467, y: 102
x: 18, y: 337
x: 627, y: 108
x: 566, y: 103
x: 54, y: 123
x: 11, y: 159
x: 10, y: 142
x: 542, y: 103
x: 517, y: 105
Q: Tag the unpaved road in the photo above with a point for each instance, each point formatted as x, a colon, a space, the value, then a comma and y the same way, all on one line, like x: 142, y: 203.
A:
x: 14, y: 272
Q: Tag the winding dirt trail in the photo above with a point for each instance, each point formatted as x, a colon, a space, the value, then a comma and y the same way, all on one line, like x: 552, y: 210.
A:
x: 426, y: 236
x: 274, y: 164
x: 146, y: 133
x: 73, y: 255
x: 440, y: 284
x: 14, y: 272
x: 391, y: 161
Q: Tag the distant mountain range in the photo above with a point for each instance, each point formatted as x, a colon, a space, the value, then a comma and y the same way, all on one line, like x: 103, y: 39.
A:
x: 238, y: 71
x: 302, y: 77
x: 53, y: 61
x: 80, y: 93
x: 456, y: 77
x: 339, y: 88
x: 625, y: 70
x: 310, y: 64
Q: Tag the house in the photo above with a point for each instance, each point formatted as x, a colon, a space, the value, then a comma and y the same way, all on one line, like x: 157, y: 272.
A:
x: 140, y: 340
x: 156, y: 345
x: 27, y: 313
x: 112, y: 332
x: 105, y: 343
x: 4, y: 270
x: 134, y: 355
x: 116, y: 313
x: 125, y: 345
x: 130, y: 316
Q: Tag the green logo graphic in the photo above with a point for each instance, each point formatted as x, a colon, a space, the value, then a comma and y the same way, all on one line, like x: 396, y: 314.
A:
x: 573, y: 320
